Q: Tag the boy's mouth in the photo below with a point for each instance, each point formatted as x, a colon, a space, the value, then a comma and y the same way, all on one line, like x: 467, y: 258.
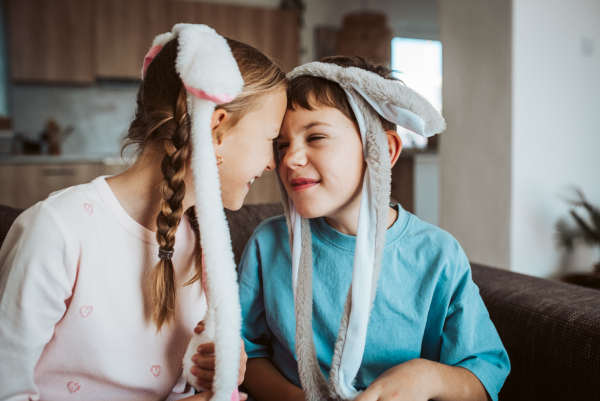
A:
x: 299, y: 184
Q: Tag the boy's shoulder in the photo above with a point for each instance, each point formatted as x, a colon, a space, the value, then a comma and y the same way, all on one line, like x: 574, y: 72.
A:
x: 431, y: 245
x: 424, y: 231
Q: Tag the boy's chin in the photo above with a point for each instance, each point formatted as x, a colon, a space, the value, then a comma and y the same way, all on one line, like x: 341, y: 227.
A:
x: 308, y: 210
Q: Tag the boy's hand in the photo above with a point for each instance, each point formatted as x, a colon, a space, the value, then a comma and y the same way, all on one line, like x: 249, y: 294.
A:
x: 205, y: 362
x: 409, y: 381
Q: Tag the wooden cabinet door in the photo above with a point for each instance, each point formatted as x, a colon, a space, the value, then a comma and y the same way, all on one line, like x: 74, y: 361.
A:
x: 7, y: 183
x: 221, y: 17
x: 50, y: 40
x: 274, y: 32
x: 34, y: 182
x: 124, y: 30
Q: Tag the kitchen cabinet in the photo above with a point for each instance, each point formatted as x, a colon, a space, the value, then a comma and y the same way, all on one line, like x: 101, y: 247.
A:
x: 50, y: 41
x: 274, y: 32
x: 76, y: 41
x: 220, y: 17
x: 36, y: 182
x: 23, y: 185
x: 124, y: 30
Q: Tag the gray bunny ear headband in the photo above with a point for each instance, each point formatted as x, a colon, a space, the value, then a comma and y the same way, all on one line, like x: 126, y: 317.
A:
x: 369, y: 95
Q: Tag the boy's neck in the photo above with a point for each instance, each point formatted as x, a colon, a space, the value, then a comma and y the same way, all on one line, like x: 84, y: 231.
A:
x: 347, y: 223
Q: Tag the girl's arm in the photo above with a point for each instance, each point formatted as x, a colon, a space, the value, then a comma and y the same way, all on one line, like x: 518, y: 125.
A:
x: 37, y: 273
x: 422, y: 380
x: 265, y: 382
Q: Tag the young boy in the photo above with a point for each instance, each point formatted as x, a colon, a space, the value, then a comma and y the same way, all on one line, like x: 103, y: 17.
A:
x: 413, y: 325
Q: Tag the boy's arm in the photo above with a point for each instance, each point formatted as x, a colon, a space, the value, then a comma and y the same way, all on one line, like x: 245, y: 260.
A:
x: 266, y: 383
x: 422, y: 380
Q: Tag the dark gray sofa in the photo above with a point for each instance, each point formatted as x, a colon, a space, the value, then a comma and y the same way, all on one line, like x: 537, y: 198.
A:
x: 551, y: 330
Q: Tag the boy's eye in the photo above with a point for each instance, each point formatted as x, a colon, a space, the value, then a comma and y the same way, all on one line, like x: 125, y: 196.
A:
x: 314, y: 137
x: 281, y: 145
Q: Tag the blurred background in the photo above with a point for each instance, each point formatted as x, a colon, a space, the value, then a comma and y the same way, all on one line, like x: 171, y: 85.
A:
x: 520, y: 94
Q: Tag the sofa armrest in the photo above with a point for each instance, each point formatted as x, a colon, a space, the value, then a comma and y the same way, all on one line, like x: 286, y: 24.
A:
x: 551, y: 331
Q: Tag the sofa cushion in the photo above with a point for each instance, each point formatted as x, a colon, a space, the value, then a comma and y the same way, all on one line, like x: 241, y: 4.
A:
x: 551, y: 331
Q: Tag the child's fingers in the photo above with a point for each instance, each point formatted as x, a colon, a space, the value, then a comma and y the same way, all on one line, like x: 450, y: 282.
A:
x: 203, y: 374
x: 204, y: 361
x: 207, y: 384
x: 206, y: 349
x: 199, y: 328
x: 243, y: 396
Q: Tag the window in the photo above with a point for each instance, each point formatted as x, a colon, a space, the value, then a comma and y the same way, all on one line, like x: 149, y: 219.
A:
x: 419, y: 65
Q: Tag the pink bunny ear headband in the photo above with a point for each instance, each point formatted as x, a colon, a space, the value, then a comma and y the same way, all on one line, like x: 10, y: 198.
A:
x: 211, y: 75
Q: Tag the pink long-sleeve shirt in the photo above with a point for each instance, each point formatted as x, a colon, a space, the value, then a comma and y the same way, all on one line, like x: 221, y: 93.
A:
x: 73, y: 321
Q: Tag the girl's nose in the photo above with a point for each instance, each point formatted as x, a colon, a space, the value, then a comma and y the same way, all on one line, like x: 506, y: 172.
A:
x: 271, y: 166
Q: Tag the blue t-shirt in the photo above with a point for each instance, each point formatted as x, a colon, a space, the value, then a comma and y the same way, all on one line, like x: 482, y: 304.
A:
x: 427, y: 305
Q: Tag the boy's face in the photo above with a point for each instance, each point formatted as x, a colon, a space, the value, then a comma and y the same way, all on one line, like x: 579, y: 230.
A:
x: 321, y: 161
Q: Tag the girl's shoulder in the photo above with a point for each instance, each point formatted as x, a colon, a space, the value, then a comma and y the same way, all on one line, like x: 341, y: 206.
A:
x: 62, y: 211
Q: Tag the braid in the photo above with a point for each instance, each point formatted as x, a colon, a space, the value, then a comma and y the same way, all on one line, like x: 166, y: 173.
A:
x: 191, y: 214
x: 173, y: 166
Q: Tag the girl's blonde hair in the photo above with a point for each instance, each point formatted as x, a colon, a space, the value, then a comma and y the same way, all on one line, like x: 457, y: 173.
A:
x: 161, y: 119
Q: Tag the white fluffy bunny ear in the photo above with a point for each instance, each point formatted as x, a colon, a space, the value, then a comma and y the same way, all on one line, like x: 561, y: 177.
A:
x: 206, y: 65
x: 211, y: 76
x: 157, y: 45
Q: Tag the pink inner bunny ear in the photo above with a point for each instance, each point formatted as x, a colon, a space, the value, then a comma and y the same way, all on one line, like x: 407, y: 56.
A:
x: 150, y: 56
x: 217, y: 99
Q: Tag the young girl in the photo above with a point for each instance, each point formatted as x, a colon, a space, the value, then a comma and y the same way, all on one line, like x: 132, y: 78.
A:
x: 100, y: 283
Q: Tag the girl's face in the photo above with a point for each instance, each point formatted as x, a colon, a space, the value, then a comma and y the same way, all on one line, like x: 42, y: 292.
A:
x: 321, y: 161
x: 247, y: 148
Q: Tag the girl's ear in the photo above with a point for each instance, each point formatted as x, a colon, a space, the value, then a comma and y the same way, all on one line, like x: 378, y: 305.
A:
x: 216, y: 125
x: 395, y: 145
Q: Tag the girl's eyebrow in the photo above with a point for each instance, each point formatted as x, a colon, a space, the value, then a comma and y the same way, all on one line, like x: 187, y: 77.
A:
x: 314, y: 124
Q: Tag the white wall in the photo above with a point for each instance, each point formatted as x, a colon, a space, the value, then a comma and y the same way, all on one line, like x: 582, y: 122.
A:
x: 521, y: 99
x: 427, y: 188
x: 475, y: 150
x: 556, y: 135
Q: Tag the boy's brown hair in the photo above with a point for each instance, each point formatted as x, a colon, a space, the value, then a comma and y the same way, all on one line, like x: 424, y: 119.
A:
x: 308, y: 92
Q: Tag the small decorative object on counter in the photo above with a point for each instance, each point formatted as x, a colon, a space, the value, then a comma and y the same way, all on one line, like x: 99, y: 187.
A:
x: 54, y: 136
x: 583, y: 232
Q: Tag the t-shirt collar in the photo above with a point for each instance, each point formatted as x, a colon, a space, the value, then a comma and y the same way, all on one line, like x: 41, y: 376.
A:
x: 349, y: 241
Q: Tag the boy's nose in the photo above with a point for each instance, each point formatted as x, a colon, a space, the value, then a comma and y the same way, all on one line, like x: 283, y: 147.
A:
x: 294, y: 158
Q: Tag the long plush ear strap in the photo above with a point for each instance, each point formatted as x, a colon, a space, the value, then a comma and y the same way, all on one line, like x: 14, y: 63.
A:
x: 350, y: 344
x: 376, y: 191
x: 210, y: 73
